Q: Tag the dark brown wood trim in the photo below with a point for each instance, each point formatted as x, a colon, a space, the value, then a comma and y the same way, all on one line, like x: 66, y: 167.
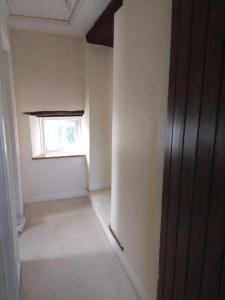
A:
x: 102, y: 33
x: 169, y: 133
x: 192, y: 256
x: 57, y: 156
x: 116, y: 238
x: 56, y: 113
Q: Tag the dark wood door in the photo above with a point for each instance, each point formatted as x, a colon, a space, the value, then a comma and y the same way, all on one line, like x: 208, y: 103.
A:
x: 192, y: 255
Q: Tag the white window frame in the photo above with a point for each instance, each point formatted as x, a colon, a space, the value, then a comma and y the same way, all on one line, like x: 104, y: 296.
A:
x: 42, y: 135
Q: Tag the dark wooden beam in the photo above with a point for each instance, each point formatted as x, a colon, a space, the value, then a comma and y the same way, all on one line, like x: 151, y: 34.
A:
x: 56, y: 113
x: 102, y: 33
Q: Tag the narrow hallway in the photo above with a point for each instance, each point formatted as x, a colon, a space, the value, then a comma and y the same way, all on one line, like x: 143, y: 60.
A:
x: 65, y: 255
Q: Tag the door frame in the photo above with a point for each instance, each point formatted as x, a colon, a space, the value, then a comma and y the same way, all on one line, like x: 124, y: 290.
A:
x: 9, y: 284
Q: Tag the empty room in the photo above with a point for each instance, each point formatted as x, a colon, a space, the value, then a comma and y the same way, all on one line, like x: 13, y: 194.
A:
x: 112, y: 150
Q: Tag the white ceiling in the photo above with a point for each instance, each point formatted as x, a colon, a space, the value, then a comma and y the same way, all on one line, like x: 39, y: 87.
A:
x: 44, y: 9
x: 55, y: 16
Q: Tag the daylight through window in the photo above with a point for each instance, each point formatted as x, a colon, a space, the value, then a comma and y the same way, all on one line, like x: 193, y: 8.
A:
x: 61, y: 135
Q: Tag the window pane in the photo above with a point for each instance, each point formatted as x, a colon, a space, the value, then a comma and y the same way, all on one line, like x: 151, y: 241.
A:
x: 61, y: 134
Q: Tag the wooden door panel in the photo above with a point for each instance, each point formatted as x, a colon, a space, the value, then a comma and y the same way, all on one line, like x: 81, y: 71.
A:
x: 221, y: 292
x: 169, y: 134
x: 206, y: 147
x: 193, y: 213
x: 177, y: 142
x: 197, y: 52
x: 215, y: 239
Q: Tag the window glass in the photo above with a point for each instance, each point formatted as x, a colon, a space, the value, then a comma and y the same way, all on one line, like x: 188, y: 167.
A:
x: 61, y: 134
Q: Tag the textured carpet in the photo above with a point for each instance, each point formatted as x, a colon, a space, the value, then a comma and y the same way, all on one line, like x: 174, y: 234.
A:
x: 66, y: 256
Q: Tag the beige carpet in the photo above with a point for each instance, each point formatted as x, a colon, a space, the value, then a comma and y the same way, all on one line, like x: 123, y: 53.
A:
x: 66, y: 256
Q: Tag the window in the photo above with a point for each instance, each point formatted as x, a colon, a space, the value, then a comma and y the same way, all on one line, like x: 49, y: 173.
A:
x: 61, y: 135
x: 56, y: 134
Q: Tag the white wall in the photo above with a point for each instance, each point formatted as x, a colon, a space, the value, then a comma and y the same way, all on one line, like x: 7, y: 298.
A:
x: 49, y: 75
x: 99, y: 71
x: 141, y: 73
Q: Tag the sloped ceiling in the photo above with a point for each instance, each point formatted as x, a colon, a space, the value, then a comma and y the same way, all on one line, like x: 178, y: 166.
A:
x: 74, y: 17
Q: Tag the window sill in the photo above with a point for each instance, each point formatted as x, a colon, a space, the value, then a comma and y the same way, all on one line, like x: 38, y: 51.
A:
x: 53, y: 156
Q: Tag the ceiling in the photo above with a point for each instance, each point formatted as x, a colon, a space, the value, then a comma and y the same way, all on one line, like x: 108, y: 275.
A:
x: 74, y: 17
x: 44, y: 9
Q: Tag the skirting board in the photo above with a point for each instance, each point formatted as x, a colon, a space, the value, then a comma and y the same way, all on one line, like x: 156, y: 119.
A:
x: 52, y: 197
x: 134, y: 280
x: 98, y: 187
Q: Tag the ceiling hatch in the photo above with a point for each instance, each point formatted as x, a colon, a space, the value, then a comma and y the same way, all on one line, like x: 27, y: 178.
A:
x: 57, y: 10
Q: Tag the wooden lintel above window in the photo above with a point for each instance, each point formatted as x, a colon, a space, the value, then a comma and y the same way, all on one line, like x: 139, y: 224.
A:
x: 56, y: 113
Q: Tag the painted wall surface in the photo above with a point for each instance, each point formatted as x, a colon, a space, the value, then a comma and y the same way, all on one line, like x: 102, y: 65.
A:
x: 49, y: 75
x: 99, y: 72
x: 141, y: 75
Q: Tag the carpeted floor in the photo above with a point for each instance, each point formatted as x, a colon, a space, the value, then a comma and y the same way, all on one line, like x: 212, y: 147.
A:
x: 66, y: 256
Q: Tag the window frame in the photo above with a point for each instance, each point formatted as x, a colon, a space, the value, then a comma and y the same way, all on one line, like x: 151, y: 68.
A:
x: 56, y: 152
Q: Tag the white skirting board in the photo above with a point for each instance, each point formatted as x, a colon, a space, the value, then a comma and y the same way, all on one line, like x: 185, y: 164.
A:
x: 52, y: 197
x: 98, y: 187
x: 134, y: 280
